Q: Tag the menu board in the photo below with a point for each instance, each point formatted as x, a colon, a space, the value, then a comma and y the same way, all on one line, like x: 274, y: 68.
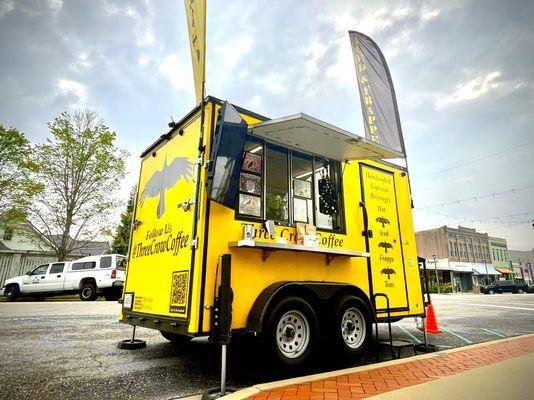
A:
x: 387, y: 262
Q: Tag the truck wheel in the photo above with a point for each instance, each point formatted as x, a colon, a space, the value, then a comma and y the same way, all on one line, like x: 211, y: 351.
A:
x: 88, y: 292
x: 520, y: 291
x: 175, y: 338
x: 292, y: 331
x: 12, y: 293
x: 352, y: 326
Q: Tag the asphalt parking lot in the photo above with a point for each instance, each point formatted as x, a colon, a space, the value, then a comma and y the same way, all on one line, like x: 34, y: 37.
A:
x: 68, y: 350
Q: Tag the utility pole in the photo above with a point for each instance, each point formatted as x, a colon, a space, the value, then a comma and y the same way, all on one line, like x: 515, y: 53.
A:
x: 436, y: 270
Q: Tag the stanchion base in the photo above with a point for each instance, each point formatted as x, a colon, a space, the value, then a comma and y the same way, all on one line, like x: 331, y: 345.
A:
x: 429, y: 348
x: 127, y: 344
x: 215, y: 393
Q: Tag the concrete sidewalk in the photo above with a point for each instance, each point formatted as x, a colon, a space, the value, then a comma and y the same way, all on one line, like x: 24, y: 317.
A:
x: 491, y: 370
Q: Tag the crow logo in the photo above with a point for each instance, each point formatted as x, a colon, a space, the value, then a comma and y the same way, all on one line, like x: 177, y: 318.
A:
x: 165, y: 179
x: 385, y: 245
x: 388, y: 272
x: 383, y: 221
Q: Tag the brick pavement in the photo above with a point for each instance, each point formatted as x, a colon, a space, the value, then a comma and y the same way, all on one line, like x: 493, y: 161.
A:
x: 359, y: 385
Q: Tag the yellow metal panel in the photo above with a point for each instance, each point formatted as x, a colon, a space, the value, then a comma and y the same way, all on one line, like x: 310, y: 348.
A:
x: 159, y: 270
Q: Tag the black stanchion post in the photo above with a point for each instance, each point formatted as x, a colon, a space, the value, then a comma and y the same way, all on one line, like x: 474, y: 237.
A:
x: 221, y: 325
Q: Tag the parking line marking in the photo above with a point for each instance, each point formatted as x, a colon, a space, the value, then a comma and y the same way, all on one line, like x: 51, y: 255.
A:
x: 497, y: 306
x: 458, y: 336
x: 407, y: 332
x: 495, y: 333
x: 445, y: 346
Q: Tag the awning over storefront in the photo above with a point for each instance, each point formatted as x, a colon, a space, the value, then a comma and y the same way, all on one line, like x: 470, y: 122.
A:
x: 485, y: 269
x: 302, y: 132
x: 504, y: 270
x: 461, y: 267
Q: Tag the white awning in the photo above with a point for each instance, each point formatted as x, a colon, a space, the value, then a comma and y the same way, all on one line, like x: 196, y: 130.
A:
x: 485, y: 269
x: 302, y: 132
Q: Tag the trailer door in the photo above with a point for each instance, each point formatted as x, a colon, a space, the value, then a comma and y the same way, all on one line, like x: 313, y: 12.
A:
x: 387, y: 261
x: 160, y: 261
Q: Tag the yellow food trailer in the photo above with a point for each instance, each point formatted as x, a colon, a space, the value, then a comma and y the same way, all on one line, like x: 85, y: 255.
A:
x: 342, y: 232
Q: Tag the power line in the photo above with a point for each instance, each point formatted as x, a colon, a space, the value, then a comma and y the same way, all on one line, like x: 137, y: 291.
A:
x: 484, y: 196
x: 480, y: 220
x: 474, y: 160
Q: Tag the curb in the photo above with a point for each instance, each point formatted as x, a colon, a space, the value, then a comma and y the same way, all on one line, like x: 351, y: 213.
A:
x: 255, y: 389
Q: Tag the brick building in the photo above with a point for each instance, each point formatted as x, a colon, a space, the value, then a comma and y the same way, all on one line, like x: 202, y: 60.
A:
x: 462, y: 256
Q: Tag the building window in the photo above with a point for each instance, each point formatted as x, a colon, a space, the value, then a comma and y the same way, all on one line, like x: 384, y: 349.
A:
x: 8, y: 234
x: 289, y: 187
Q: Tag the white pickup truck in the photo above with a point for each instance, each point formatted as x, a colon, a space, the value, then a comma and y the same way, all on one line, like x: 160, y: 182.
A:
x: 89, y: 276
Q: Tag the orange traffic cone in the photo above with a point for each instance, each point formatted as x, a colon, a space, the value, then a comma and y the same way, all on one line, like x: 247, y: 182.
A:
x: 431, y: 323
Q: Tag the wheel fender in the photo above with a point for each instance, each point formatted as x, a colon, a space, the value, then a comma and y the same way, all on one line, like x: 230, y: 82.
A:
x: 312, y: 291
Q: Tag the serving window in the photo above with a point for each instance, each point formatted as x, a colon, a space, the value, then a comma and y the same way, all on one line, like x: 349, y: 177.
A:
x: 287, y: 186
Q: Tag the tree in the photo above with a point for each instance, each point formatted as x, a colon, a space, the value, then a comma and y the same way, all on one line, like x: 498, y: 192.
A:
x: 121, y: 240
x: 16, y: 166
x: 80, y: 169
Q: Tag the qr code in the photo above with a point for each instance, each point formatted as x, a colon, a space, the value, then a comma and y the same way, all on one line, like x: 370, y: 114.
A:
x: 179, y: 291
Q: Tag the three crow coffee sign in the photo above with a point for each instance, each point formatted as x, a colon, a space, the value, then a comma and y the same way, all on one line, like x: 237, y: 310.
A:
x: 385, y: 246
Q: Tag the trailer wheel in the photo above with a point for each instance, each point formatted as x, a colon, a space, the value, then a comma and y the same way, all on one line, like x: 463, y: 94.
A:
x: 112, y: 294
x: 88, y: 292
x: 175, y: 337
x: 352, y: 327
x: 292, y: 331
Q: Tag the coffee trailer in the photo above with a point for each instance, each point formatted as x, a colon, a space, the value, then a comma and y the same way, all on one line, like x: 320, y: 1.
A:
x: 204, y: 197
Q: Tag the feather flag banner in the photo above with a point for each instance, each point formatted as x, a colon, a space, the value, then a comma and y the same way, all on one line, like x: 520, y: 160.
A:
x: 195, y: 11
x: 377, y: 95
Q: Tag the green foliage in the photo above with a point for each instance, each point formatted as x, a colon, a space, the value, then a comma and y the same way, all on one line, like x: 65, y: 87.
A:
x: 276, y: 207
x: 121, y: 240
x: 81, y: 170
x: 443, y: 288
x: 16, y: 166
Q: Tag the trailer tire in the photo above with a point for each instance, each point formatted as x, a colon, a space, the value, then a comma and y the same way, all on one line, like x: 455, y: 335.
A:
x: 112, y: 294
x: 88, y: 292
x: 352, y: 325
x: 292, y: 331
x: 175, y: 338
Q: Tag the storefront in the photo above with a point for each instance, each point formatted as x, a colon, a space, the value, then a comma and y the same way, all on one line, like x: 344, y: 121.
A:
x: 484, y: 274
x: 462, y: 276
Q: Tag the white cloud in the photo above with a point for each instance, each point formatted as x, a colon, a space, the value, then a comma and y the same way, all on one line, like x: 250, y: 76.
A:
x: 145, y: 38
x: 55, y: 5
x: 68, y: 87
x: 6, y: 7
x: 470, y: 90
x: 274, y: 83
x: 143, y: 61
x: 427, y: 15
x: 173, y: 69
x: 233, y: 50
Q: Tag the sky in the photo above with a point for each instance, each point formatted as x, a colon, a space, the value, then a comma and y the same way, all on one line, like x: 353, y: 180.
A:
x: 463, y: 73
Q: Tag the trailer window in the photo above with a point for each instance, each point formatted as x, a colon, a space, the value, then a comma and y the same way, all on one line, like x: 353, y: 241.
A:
x: 287, y: 186
x: 251, y: 180
x: 277, y: 186
x: 328, y: 194
x: 302, y: 186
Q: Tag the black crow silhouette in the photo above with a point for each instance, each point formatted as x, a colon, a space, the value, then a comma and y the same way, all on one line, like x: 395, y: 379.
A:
x: 383, y: 221
x: 385, y: 245
x: 388, y: 272
x: 165, y: 179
